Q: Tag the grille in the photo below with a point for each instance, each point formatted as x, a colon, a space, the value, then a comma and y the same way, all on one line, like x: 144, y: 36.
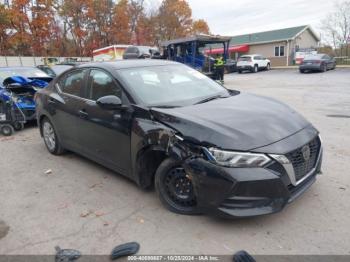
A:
x: 300, y: 165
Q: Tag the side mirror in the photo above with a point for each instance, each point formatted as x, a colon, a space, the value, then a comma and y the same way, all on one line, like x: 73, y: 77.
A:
x: 109, y: 102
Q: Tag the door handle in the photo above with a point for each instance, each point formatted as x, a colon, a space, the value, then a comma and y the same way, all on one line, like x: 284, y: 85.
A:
x: 83, y: 114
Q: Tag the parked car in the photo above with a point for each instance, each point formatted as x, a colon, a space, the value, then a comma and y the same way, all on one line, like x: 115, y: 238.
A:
x: 141, y: 52
x: 54, y: 70
x: 19, y: 84
x: 230, y: 66
x: 319, y: 62
x: 253, y: 63
x: 205, y: 148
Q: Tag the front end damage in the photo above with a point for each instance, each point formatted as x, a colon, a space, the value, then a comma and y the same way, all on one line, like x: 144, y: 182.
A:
x: 231, y: 191
x: 243, y: 192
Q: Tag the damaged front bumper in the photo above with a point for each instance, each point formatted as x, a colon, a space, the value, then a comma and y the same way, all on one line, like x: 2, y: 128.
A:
x: 244, y: 192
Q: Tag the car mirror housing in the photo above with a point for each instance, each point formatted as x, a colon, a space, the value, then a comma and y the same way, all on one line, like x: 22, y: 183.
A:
x: 109, y: 102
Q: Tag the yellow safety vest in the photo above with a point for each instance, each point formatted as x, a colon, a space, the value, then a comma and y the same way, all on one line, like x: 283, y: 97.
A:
x: 219, y: 62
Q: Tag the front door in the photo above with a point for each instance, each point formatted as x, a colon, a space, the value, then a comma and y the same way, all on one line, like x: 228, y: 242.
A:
x: 105, y: 134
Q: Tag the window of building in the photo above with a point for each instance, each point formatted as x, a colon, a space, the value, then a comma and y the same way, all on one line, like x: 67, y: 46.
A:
x: 279, y: 50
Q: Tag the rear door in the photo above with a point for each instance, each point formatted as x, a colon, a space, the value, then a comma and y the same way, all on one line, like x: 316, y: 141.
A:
x: 259, y: 60
x: 64, y: 107
x: 105, y: 134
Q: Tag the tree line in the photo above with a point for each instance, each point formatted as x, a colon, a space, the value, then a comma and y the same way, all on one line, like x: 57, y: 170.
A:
x: 76, y: 27
x: 336, y: 30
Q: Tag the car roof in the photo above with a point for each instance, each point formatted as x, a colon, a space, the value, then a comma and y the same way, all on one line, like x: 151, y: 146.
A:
x: 129, y: 63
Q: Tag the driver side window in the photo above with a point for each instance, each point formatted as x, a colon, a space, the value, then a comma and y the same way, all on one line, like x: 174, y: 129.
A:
x: 102, y: 84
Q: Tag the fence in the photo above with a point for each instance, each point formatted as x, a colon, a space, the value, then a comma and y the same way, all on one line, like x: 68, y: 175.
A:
x: 343, y: 60
x: 35, y: 60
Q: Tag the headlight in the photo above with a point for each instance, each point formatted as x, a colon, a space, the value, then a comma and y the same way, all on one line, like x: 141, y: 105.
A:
x: 237, y: 159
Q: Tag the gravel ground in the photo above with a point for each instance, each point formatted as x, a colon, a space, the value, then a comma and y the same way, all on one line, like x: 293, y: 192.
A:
x: 82, y: 205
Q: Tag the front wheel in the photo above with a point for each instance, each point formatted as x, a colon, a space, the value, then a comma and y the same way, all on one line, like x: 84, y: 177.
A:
x: 255, y: 69
x: 52, y: 143
x: 268, y: 67
x: 175, y: 188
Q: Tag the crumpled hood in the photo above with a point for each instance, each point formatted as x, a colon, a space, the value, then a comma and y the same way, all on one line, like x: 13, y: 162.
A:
x: 241, y: 122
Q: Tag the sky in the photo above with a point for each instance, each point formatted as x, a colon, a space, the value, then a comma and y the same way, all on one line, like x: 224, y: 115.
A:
x: 234, y: 17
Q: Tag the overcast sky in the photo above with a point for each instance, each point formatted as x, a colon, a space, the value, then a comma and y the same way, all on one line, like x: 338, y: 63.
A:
x: 233, y: 17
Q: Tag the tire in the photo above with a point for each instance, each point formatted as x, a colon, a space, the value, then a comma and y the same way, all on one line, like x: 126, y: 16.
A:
x: 7, y: 130
x: 18, y: 126
x: 239, y: 71
x: 324, y: 68
x: 302, y: 71
x: 51, y: 140
x: 174, y: 188
x: 255, y: 69
x: 268, y: 67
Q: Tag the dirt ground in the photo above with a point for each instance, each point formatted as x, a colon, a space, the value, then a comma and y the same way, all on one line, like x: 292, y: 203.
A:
x: 84, y: 206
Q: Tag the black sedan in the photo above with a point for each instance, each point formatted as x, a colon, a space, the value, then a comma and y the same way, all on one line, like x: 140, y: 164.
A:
x: 319, y: 62
x: 205, y: 148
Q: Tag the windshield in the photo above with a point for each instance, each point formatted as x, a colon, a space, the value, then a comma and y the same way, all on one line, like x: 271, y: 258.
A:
x: 244, y: 58
x: 171, y: 85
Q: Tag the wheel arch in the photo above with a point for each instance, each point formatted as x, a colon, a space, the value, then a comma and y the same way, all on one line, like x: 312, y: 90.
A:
x: 147, y: 162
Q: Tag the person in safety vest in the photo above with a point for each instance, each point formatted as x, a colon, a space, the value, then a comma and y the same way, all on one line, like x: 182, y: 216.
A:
x: 219, y: 68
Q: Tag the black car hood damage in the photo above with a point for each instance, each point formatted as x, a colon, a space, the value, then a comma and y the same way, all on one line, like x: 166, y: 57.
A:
x: 242, y: 122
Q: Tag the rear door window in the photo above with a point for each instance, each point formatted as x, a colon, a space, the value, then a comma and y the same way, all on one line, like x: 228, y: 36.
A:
x: 73, y: 83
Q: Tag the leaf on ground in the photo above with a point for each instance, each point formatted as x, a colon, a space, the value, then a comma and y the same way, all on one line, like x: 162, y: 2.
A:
x: 99, y: 213
x: 85, y: 213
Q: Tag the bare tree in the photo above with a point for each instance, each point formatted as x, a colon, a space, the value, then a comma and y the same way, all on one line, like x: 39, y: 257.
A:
x: 336, y: 27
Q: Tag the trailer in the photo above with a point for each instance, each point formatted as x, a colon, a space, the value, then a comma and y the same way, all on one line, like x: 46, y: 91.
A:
x: 109, y: 53
x: 192, y: 51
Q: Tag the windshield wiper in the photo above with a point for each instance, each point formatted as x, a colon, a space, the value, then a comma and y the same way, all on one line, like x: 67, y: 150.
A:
x: 209, y: 99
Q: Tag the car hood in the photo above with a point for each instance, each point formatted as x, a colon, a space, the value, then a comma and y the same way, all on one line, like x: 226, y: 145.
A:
x: 242, y: 122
